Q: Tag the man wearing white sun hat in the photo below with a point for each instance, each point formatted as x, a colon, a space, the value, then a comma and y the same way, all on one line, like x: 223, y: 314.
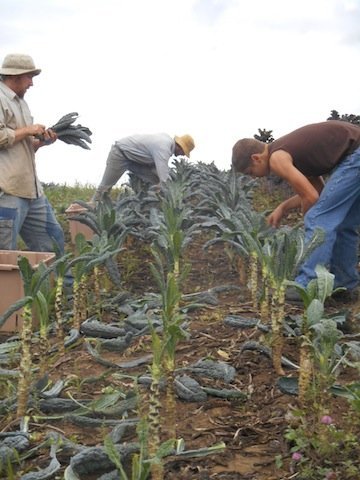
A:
x: 24, y: 209
x: 146, y: 156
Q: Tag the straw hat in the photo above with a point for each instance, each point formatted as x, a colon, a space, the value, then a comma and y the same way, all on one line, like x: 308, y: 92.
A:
x: 18, y: 64
x: 186, y: 142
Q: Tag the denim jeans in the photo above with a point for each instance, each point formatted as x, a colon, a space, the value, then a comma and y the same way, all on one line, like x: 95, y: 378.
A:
x: 34, y: 220
x: 337, y: 212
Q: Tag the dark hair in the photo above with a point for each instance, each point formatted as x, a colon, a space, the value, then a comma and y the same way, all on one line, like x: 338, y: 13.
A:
x: 242, y: 151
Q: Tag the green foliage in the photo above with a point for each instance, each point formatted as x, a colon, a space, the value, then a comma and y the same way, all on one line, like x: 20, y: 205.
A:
x: 141, y: 462
x: 286, y: 250
x: 318, y: 444
x: 115, y: 457
x: 319, y: 288
x: 171, y: 229
x: 352, y: 393
x: 264, y: 135
x: 100, y: 217
x: 351, y: 118
x: 61, y: 196
x: 169, y: 244
x: 201, y: 452
x: 91, y: 253
x: 33, y: 280
x: 7, y: 467
x: 221, y: 203
x: 326, y: 350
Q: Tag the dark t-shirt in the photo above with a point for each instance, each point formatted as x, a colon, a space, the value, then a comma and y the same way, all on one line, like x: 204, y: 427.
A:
x: 317, y: 148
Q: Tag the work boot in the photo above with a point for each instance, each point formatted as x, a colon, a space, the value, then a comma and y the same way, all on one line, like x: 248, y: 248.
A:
x: 346, y: 296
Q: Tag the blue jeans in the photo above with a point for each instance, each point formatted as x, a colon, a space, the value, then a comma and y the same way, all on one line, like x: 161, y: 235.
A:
x: 34, y: 220
x: 337, y: 212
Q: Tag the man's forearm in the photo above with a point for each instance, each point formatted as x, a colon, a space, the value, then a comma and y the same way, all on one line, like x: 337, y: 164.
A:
x: 291, y: 203
x: 29, y: 130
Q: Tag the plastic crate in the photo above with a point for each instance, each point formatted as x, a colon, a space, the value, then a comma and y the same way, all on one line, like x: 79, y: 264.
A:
x: 11, y: 284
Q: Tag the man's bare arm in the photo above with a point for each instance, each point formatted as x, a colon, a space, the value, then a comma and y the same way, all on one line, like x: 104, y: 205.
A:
x: 282, y: 165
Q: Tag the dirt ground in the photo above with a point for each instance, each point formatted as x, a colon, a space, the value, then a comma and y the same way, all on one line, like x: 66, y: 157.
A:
x: 252, y: 429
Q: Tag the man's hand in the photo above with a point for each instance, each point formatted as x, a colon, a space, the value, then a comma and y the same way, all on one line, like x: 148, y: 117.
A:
x: 49, y: 137
x: 283, y: 209
x: 46, y: 138
x: 40, y: 135
x: 36, y: 129
x: 276, y: 216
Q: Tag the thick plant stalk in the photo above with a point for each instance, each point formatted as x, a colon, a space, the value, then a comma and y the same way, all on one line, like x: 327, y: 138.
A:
x: 140, y: 469
x: 265, y: 304
x: 170, y: 248
x: 306, y: 363
x: 176, y: 270
x: 172, y: 333
x: 154, y: 416
x: 80, y: 302
x: 170, y: 404
x: 42, y: 310
x: 43, y: 349
x: 97, y: 296
x: 254, y: 280
x: 58, y: 315
x: 266, y: 298
x: 83, y: 307
x: 277, y: 319
x: 76, y: 305
x: 305, y: 369
x: 26, y: 361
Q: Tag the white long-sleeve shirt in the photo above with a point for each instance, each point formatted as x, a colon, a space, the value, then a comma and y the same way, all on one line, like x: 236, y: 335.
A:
x: 149, y: 149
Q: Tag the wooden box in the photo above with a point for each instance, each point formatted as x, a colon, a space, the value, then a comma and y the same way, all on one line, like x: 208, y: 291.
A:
x: 75, y: 226
x: 11, y: 284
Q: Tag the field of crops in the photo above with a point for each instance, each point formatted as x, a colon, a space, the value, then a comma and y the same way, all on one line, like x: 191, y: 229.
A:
x: 174, y: 355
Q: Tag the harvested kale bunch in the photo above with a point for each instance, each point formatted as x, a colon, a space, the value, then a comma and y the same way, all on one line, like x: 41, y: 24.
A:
x: 72, y: 134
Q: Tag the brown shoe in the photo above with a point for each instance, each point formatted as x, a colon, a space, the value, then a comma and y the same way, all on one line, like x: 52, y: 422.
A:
x: 346, y: 296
